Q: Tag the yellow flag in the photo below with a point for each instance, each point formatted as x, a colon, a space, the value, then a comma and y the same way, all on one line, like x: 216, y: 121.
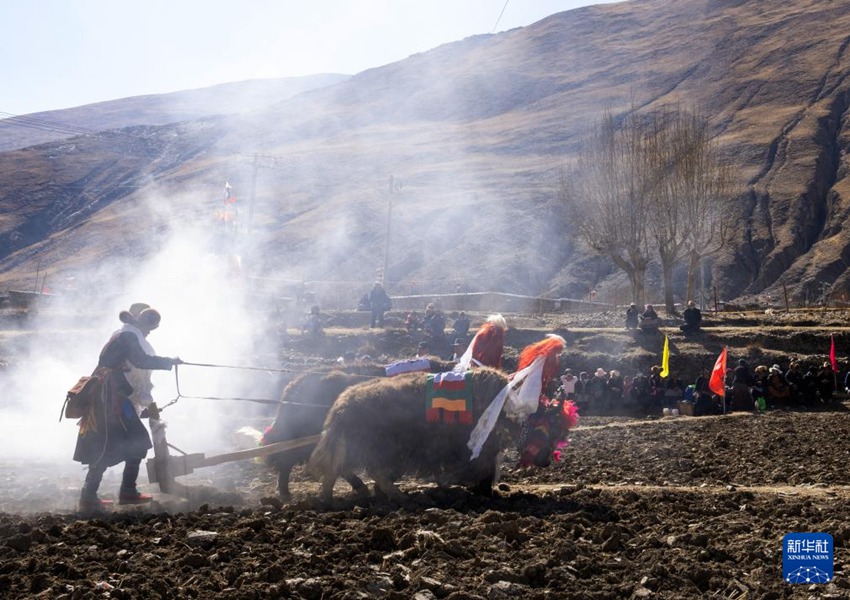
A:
x: 665, y: 358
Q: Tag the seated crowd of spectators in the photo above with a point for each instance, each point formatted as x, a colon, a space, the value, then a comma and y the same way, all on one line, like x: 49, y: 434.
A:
x: 433, y: 323
x: 609, y: 392
x: 648, y: 320
x: 797, y: 386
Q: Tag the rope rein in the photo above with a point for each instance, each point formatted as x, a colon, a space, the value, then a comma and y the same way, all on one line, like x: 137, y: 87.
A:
x: 255, y: 400
x: 267, y: 369
x: 192, y: 364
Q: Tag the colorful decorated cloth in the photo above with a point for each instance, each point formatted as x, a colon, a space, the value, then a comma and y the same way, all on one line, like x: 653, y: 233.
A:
x: 520, y: 399
x: 412, y: 365
x: 545, y: 434
x: 448, y: 397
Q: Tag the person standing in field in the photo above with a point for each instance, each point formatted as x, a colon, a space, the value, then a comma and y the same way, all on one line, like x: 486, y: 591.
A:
x: 112, y: 432
x: 379, y: 303
x: 632, y: 316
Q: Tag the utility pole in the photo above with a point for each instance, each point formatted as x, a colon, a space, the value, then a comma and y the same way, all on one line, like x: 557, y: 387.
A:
x: 389, y: 227
x: 824, y: 293
x: 257, y: 160
x: 37, y: 274
x: 253, y: 194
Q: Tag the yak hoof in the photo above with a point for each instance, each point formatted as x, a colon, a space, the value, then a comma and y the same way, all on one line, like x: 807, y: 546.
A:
x: 284, y: 493
x: 385, y: 488
x: 483, y: 488
x: 360, y: 488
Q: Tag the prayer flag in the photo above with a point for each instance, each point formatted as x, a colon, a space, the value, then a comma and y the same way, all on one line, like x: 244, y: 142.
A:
x: 717, y: 383
x: 832, y: 359
x: 665, y: 359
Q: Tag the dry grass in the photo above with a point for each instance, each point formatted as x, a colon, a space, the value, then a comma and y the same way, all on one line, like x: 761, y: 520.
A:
x: 478, y: 129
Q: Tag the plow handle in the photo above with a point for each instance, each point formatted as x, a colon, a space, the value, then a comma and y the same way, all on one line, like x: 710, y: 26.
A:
x: 258, y: 451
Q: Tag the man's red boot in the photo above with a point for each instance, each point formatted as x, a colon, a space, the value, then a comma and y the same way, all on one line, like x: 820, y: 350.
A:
x: 133, y: 496
x: 94, y: 506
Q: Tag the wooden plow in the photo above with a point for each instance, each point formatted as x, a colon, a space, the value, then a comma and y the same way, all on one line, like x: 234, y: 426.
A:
x: 164, y: 466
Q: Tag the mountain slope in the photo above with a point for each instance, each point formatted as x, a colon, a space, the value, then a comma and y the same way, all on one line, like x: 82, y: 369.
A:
x: 38, y: 128
x: 474, y: 134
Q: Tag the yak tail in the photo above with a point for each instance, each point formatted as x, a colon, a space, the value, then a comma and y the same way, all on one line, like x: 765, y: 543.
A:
x: 328, y: 455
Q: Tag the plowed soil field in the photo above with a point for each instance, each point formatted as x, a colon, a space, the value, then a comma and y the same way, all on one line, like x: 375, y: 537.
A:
x: 682, y: 507
x: 650, y: 507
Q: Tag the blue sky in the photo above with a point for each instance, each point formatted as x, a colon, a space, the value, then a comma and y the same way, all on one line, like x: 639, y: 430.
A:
x: 64, y: 53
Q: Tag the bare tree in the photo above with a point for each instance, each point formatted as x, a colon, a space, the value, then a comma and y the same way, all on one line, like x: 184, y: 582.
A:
x: 651, y: 178
x: 606, y: 190
x: 667, y: 144
x: 711, y: 186
x: 693, y: 194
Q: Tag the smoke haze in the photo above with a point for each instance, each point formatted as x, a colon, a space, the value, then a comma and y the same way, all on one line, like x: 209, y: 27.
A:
x: 206, y: 318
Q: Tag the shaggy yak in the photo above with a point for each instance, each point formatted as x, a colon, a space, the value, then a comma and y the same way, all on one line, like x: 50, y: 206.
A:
x: 381, y: 426
x: 304, y: 404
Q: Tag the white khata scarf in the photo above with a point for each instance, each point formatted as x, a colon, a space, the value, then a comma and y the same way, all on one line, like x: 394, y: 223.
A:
x: 518, y: 404
x: 139, y: 379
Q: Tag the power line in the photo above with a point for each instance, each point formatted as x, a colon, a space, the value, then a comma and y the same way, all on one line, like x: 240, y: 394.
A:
x: 27, y: 121
x: 500, y: 16
x: 9, y: 119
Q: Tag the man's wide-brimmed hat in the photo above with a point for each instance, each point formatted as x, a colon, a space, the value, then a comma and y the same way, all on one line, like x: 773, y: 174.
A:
x: 149, y: 319
x: 137, y: 307
x: 600, y: 372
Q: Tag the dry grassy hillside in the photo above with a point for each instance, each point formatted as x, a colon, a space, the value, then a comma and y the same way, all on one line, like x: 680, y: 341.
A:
x: 22, y: 131
x: 474, y: 134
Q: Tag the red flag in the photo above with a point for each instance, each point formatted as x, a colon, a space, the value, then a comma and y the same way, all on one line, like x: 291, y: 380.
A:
x: 717, y: 383
x: 832, y: 355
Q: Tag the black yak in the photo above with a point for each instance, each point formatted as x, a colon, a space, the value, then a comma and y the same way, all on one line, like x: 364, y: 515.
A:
x: 304, y: 404
x: 388, y: 428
